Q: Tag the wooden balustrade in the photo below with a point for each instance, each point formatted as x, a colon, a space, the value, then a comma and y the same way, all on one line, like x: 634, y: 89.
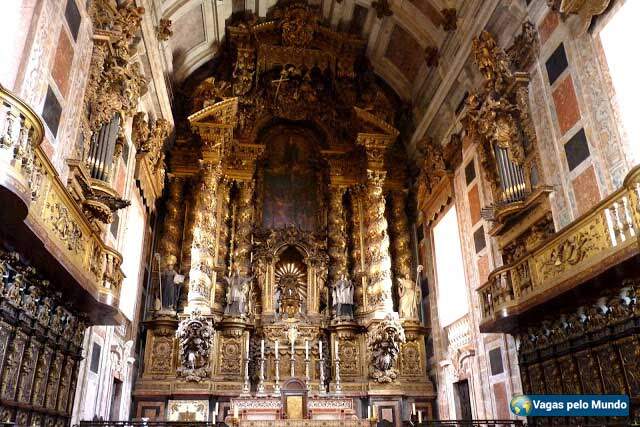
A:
x: 600, y: 239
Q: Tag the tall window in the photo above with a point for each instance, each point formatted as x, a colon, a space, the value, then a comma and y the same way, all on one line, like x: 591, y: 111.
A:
x: 133, y: 241
x: 452, y: 287
x: 616, y: 37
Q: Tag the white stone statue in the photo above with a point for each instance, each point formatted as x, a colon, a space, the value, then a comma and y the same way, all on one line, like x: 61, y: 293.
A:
x: 343, y: 297
x: 237, y: 294
x: 409, y: 293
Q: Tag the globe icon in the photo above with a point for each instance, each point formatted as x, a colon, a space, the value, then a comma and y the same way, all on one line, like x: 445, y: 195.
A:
x: 521, y: 405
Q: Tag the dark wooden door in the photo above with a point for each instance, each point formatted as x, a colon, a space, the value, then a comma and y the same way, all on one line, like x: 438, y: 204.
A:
x: 464, y: 399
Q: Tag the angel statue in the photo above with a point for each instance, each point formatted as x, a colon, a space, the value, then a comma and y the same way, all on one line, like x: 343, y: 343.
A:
x: 237, y: 294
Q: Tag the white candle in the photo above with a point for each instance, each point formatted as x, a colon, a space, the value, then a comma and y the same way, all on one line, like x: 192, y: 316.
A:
x: 215, y: 411
x: 320, y: 348
x: 262, y: 348
x: 413, y: 408
x: 419, y: 416
x: 292, y: 349
x: 369, y: 412
x: 247, y: 348
x: 276, y: 348
x: 374, y: 412
x: 337, y: 349
x: 235, y: 412
x: 306, y: 349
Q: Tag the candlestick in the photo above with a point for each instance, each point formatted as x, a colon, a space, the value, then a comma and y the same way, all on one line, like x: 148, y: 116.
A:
x: 246, y: 387
x: 276, y: 386
x: 260, y: 391
x: 321, y: 386
x: 338, y: 386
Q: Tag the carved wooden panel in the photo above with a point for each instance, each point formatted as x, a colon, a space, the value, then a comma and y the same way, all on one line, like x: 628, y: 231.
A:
x: 410, y: 361
x: 42, y: 374
x: 552, y: 377
x: 5, y: 333
x: 230, y: 356
x: 349, y: 358
x: 53, y: 382
x: 161, y: 355
x: 570, y: 380
x: 12, y: 366
x: 630, y: 354
x: 612, y: 376
x: 537, y: 379
x: 28, y: 371
x: 589, y: 372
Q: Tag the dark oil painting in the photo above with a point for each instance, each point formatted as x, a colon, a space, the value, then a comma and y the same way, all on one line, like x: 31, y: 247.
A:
x: 290, y: 187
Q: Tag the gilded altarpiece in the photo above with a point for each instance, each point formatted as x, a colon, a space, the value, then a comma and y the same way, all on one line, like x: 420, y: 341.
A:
x: 296, y: 259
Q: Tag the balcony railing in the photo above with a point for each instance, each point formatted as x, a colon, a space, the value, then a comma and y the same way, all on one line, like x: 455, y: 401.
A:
x: 31, y: 187
x: 459, y: 332
x: 607, y: 235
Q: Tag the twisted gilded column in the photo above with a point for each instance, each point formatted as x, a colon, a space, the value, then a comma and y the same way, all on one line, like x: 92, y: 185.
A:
x: 203, y: 245
x: 400, y: 235
x: 356, y: 194
x: 377, y: 241
x: 244, y: 225
x: 224, y: 231
x: 337, y: 235
x: 173, y: 221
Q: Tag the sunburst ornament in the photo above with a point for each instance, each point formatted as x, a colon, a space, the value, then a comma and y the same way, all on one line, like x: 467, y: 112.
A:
x: 290, y: 272
x: 290, y: 279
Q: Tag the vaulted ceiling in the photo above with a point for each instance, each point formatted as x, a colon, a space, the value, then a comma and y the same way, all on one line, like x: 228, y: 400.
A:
x: 415, y: 47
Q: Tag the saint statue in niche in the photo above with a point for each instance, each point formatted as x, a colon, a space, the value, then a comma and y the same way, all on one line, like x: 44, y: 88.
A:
x: 237, y: 294
x: 170, y: 285
x: 290, y: 182
x: 343, y: 297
